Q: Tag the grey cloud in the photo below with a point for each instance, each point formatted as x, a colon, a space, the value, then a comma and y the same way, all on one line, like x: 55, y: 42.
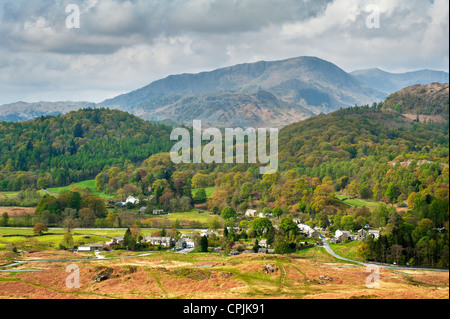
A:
x: 111, y: 24
x: 123, y: 45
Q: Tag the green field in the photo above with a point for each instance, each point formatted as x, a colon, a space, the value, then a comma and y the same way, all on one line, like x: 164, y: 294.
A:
x: 9, y: 194
x: 347, y: 250
x: 49, y: 242
x: 355, y: 202
x: 89, y: 184
x: 192, y: 215
x: 208, y: 190
x: 318, y: 254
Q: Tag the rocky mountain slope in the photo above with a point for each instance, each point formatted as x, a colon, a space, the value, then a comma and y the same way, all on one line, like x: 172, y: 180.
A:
x: 261, y: 94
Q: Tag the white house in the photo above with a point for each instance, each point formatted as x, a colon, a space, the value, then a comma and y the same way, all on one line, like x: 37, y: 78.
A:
x: 250, y: 213
x: 163, y: 241
x: 374, y: 232
x: 306, y: 229
x: 208, y: 233
x: 362, y: 234
x: 263, y: 243
x: 130, y: 199
x: 341, y: 235
x: 117, y: 240
x: 91, y: 247
x: 190, y: 243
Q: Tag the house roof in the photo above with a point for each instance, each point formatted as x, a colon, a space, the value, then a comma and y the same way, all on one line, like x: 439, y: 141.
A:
x: 158, y: 238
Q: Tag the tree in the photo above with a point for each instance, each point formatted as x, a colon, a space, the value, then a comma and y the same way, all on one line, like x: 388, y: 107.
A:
x: 4, y: 220
x: 69, y: 223
x: 281, y: 245
x: 39, y: 228
x: 111, y: 218
x: 347, y: 222
x: 396, y: 252
x: 200, y: 180
x: 204, y: 244
x: 100, y: 181
x: 277, y: 212
x: 245, y: 191
x: 353, y: 189
x: 391, y: 192
x: 77, y: 130
x: 136, y: 231
x: 225, y: 231
x: 228, y: 213
x: 128, y: 240
x: 288, y: 226
x: 261, y: 225
x: 67, y: 241
x: 96, y: 204
x: 200, y: 196
x: 363, y: 251
x: 214, y: 223
x: 87, y: 217
x: 256, y: 246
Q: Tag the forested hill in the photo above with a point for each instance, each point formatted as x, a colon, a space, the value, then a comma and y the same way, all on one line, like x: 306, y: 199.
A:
x: 57, y: 150
x: 432, y: 99
x: 360, y: 133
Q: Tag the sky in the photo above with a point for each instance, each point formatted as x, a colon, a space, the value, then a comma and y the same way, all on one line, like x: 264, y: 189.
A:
x: 121, y: 45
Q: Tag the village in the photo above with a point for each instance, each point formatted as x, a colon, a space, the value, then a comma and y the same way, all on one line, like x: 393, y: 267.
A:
x: 231, y: 240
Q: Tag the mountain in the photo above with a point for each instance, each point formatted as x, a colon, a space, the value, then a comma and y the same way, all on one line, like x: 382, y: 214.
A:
x: 295, y: 89
x: 260, y: 94
x: 393, y: 82
x: 22, y: 111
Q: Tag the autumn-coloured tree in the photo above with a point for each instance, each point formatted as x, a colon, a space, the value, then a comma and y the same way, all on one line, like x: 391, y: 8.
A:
x: 39, y: 228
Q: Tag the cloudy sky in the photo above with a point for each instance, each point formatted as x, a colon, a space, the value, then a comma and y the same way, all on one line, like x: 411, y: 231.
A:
x: 124, y: 45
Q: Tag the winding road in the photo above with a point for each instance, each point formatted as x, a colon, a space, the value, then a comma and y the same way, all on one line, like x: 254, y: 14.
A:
x: 331, y: 252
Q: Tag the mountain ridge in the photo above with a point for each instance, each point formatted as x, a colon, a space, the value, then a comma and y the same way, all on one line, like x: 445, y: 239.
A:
x: 298, y: 88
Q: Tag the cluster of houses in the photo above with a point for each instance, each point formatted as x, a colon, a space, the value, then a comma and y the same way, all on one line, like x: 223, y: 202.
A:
x: 255, y: 213
x: 343, y: 235
x: 186, y: 241
x: 306, y: 229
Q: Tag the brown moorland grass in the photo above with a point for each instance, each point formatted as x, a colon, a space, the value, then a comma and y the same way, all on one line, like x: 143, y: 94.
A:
x: 17, y: 211
x: 165, y: 275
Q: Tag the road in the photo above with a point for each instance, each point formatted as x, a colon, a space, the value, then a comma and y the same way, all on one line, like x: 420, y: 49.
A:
x: 331, y: 252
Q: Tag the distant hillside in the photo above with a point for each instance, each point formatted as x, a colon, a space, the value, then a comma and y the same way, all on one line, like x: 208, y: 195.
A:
x: 391, y: 82
x: 22, y: 111
x: 58, y: 150
x: 261, y: 109
x: 358, y: 133
x: 432, y: 99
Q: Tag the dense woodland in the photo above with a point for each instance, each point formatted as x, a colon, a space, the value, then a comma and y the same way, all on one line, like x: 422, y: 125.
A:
x: 58, y: 150
x: 368, y: 152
